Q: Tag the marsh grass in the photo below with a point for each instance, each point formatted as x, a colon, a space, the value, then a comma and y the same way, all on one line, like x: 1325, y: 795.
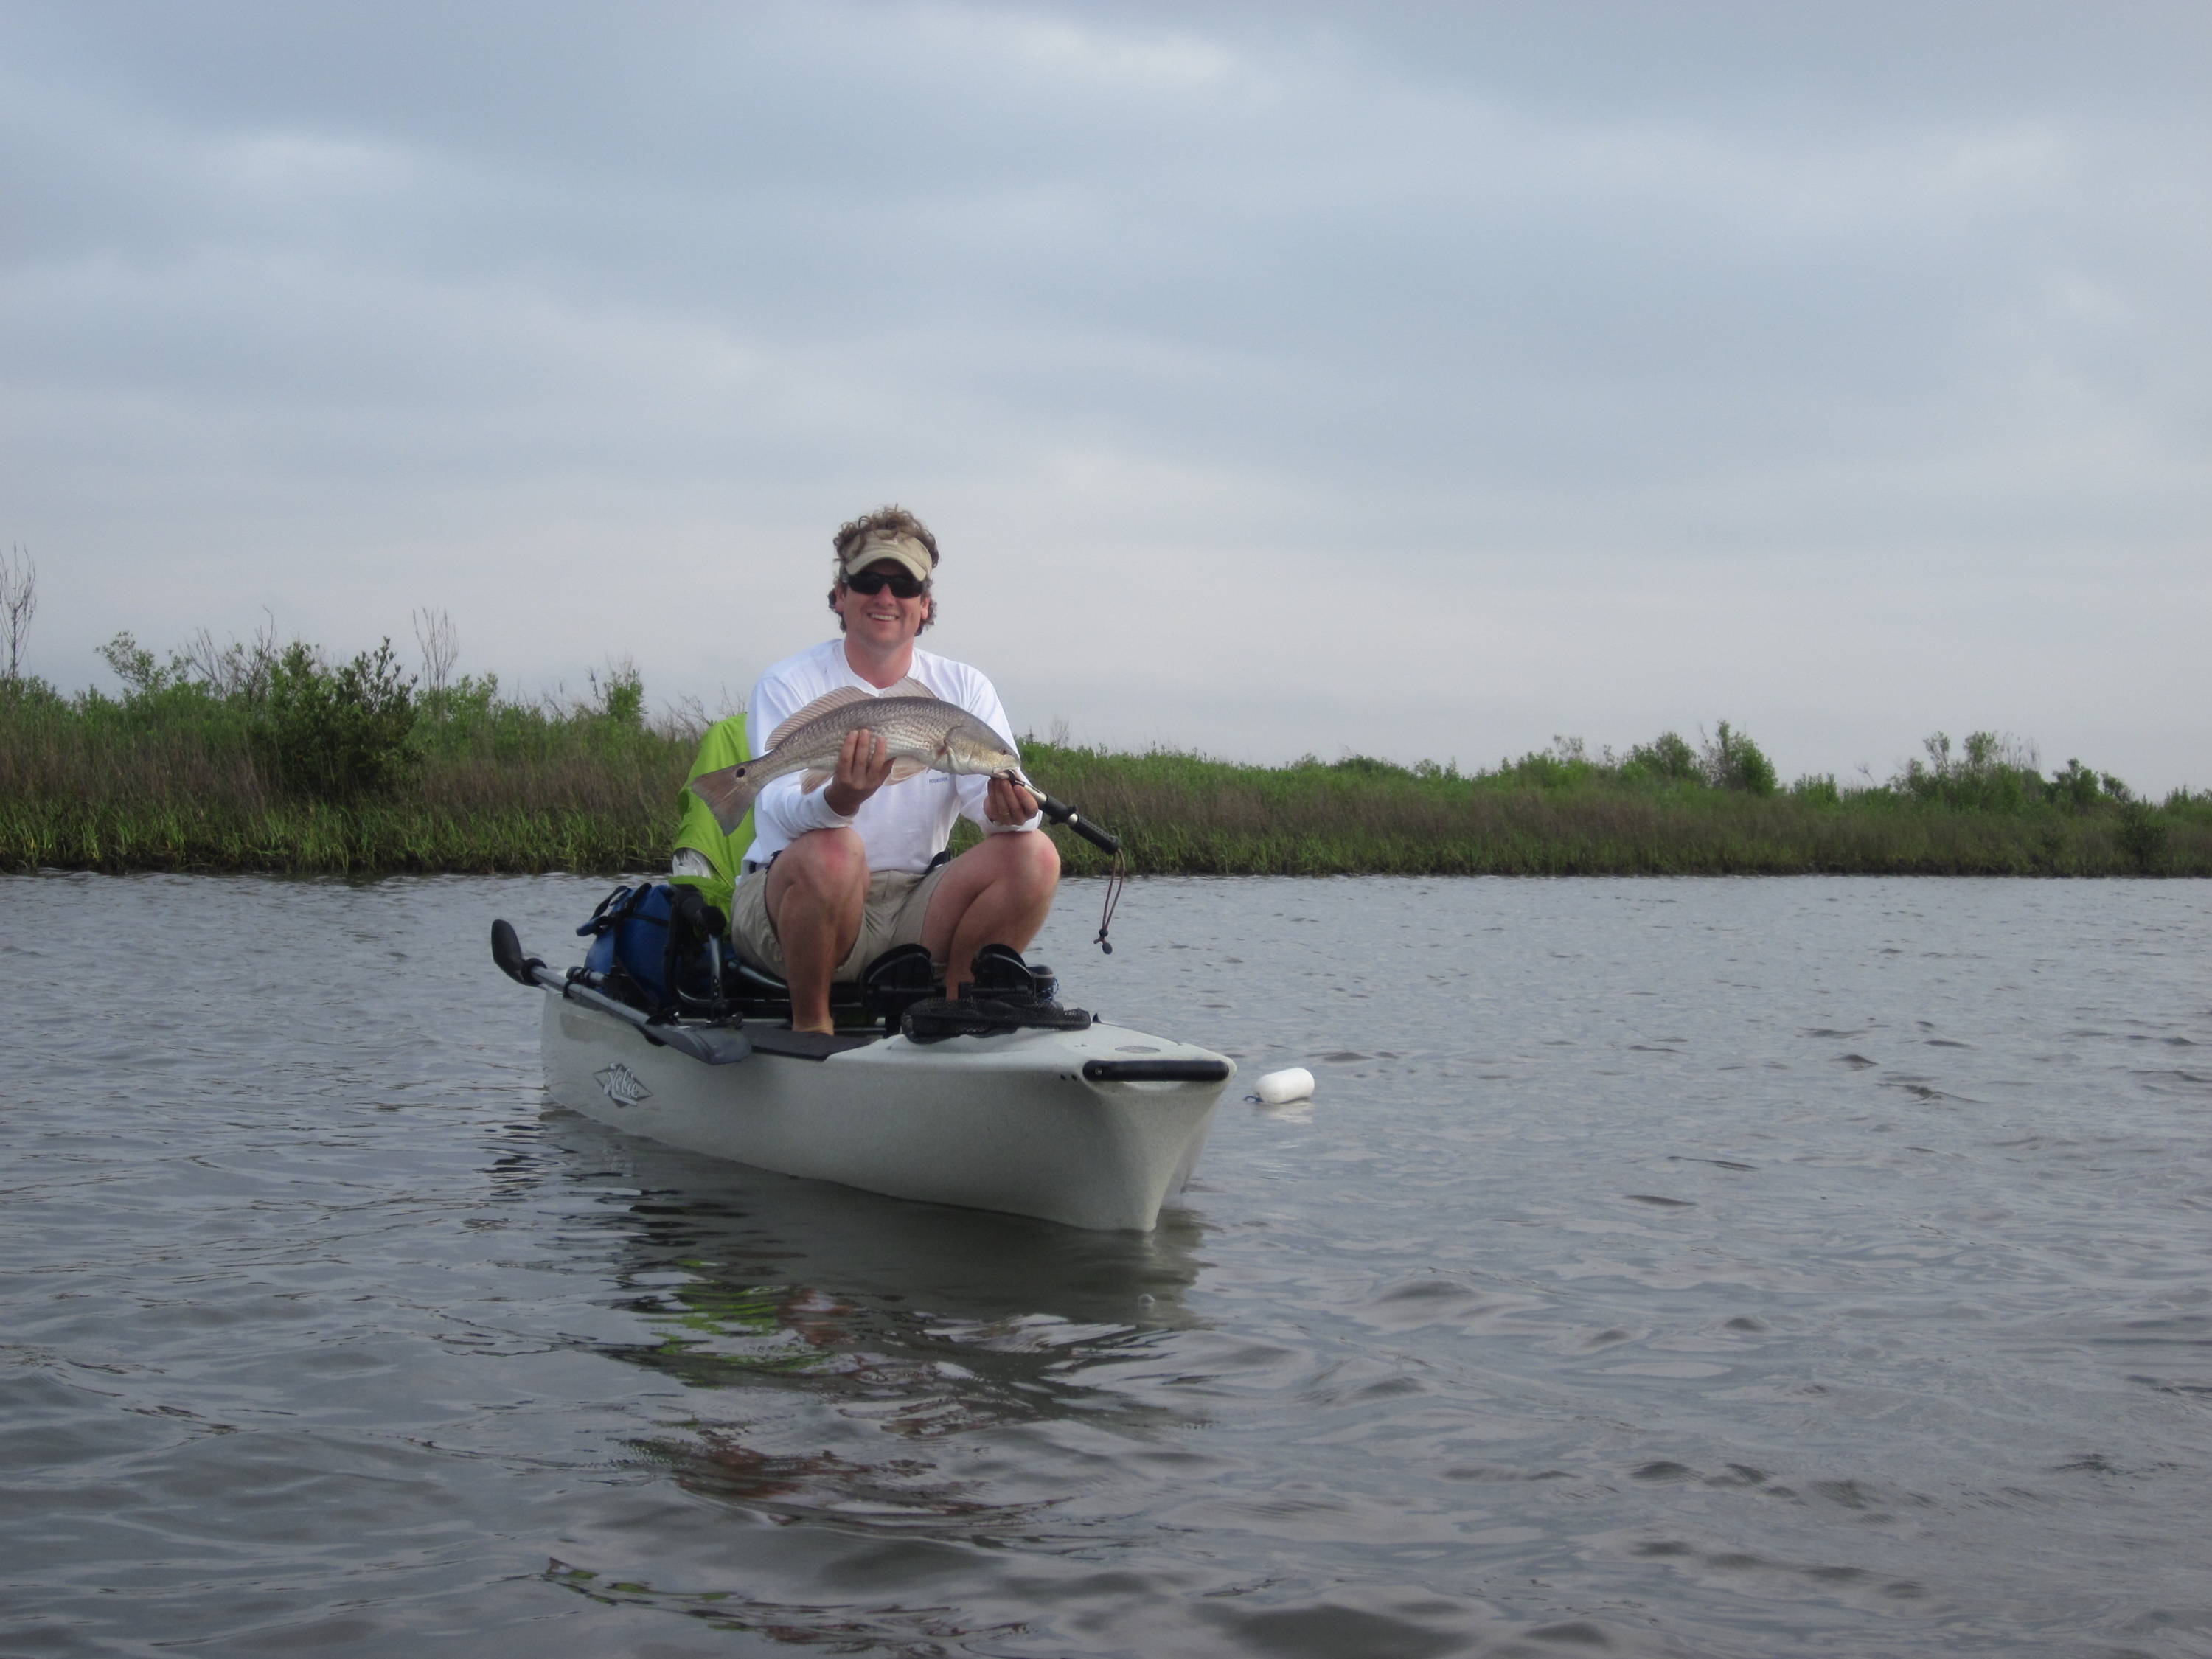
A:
x: 180, y: 773
x: 176, y: 780
x: 1544, y: 816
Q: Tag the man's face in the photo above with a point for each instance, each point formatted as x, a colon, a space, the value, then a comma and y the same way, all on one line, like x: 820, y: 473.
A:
x: 882, y: 619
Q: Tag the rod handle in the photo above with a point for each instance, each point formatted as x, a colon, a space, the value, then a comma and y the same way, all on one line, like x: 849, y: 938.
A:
x: 1061, y: 812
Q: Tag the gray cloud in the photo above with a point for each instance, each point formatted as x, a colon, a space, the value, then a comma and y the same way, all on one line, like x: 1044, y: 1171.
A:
x: 1423, y: 382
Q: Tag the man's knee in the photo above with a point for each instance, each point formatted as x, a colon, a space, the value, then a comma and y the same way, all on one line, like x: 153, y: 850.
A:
x: 823, y: 872
x: 1035, y: 859
x: 1028, y: 862
x: 829, y: 861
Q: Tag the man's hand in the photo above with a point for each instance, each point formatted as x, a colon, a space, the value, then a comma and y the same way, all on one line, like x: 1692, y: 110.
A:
x: 864, y: 762
x: 1009, y: 803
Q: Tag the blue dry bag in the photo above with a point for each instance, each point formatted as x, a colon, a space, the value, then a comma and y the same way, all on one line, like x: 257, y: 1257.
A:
x: 629, y: 947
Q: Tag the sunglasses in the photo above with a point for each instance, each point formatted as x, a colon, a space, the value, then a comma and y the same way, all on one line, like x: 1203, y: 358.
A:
x: 873, y: 582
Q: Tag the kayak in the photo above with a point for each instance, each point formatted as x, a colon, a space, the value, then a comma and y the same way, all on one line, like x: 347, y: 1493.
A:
x: 1095, y: 1126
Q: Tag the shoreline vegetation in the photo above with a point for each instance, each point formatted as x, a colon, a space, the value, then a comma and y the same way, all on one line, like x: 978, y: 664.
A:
x: 256, y: 757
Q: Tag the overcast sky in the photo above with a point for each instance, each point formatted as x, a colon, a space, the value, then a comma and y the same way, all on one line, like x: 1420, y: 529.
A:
x: 1418, y: 381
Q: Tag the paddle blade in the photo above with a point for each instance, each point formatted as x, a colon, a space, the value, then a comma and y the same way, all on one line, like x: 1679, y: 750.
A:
x: 507, y: 952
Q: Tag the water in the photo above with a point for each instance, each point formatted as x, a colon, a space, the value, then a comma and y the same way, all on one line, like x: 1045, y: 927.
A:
x: 1671, y: 1268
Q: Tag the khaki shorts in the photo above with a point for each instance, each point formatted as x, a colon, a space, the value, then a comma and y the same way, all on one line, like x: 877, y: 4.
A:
x: 896, y: 905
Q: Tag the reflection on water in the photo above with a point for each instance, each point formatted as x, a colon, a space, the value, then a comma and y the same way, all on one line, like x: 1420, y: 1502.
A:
x: 920, y: 1321
x: 894, y: 1261
x: 897, y: 1330
x: 1713, y: 1269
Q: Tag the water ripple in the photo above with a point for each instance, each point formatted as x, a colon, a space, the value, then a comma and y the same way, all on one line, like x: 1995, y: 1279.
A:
x: 1728, y: 1269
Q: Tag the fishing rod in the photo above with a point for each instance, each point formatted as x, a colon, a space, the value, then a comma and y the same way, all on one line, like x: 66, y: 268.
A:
x: 1105, y: 840
x: 1061, y: 812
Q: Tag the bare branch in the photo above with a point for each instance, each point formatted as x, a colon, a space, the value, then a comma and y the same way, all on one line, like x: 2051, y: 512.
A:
x: 434, y: 632
x: 18, y: 603
x: 202, y: 659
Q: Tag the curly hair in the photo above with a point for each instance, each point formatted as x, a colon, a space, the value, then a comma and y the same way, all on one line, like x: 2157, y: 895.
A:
x: 884, y: 522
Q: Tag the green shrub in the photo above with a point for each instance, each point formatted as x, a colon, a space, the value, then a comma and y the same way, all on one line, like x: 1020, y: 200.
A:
x: 1667, y: 758
x: 2142, y: 837
x: 2076, y: 787
x: 1732, y: 760
x: 2188, y: 806
x: 1992, y: 774
x: 337, y: 734
x: 622, y: 696
x: 1367, y: 766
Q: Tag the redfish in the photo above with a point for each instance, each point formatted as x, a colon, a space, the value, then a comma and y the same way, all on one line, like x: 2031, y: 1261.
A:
x: 922, y: 731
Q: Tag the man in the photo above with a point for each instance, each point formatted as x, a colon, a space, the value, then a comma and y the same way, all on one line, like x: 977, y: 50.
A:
x: 835, y: 878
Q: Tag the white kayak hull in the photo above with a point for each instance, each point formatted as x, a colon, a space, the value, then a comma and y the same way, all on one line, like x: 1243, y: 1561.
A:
x: 1006, y: 1122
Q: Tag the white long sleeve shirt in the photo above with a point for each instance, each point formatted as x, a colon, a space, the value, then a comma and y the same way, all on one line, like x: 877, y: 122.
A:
x: 903, y: 825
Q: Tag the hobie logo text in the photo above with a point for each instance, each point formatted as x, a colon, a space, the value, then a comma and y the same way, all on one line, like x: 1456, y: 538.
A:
x: 621, y: 1086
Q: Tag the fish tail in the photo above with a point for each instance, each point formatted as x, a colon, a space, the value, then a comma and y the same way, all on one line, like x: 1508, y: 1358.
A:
x: 728, y: 794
